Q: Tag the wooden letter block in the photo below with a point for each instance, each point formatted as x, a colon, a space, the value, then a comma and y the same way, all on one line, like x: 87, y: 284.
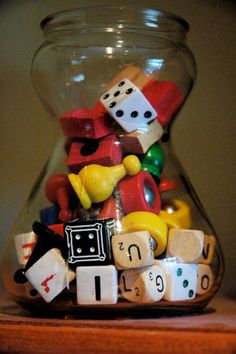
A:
x: 181, y: 280
x: 204, y: 278
x: 50, y: 275
x: 208, y: 249
x: 146, y: 285
x: 24, y: 244
x: 105, y: 152
x: 97, y: 285
x: 139, y: 141
x: 132, y: 250
x: 185, y: 246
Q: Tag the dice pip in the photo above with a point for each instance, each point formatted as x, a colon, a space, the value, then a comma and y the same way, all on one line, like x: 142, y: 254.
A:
x: 88, y: 242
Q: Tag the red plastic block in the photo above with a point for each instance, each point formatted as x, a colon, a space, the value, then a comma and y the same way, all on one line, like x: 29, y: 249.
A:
x: 165, y: 97
x: 83, y: 123
x: 106, y: 152
x: 140, y: 193
x: 59, y: 191
x: 58, y: 228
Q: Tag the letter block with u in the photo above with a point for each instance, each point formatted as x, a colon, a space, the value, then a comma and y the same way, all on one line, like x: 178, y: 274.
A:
x: 133, y: 250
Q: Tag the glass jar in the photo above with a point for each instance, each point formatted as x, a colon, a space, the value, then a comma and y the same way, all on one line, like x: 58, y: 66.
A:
x: 112, y: 224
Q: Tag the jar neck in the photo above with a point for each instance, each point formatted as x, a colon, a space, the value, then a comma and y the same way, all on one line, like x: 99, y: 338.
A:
x: 115, y: 20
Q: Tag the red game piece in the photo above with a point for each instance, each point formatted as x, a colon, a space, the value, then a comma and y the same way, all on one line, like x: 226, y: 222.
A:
x: 83, y: 123
x: 106, y: 152
x: 167, y: 184
x: 140, y: 193
x: 58, y: 190
x: 165, y: 97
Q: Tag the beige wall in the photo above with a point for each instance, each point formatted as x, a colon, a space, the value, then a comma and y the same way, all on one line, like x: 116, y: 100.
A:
x: 203, y: 133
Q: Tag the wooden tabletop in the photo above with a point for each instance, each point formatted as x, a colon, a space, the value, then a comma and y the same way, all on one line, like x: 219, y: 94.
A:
x: 213, y: 331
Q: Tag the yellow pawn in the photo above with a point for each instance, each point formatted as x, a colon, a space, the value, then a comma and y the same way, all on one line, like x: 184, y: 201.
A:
x: 95, y: 183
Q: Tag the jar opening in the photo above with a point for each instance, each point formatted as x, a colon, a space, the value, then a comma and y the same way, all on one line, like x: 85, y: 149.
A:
x: 126, y: 17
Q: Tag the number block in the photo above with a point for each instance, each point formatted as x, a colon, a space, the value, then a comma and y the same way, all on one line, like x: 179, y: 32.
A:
x: 89, y: 242
x: 50, y: 275
x: 24, y: 244
x: 185, y: 246
x: 208, y: 249
x: 204, y: 278
x: 105, y: 152
x: 133, y: 250
x: 83, y: 123
x: 181, y: 280
x: 165, y: 97
x: 97, y: 285
x: 128, y: 106
x: 139, y: 141
x: 145, y: 285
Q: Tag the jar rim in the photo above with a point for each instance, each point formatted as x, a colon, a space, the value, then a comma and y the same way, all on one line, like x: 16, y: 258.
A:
x: 153, y: 18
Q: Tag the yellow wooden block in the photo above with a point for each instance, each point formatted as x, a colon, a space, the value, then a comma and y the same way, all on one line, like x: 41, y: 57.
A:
x: 130, y: 72
x: 139, y: 141
x: 208, y: 249
x: 185, y: 245
x: 132, y: 250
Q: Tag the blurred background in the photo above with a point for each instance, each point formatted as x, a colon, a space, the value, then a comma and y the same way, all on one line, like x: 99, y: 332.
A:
x: 202, y: 133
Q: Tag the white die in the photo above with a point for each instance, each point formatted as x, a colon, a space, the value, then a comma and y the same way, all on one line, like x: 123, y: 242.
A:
x: 181, y: 280
x: 204, y: 278
x: 24, y: 244
x: 50, y: 275
x: 144, y: 285
x: 128, y: 106
x: 97, y: 285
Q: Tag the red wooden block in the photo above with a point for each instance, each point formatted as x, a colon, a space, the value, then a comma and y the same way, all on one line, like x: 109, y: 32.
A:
x: 140, y: 193
x: 83, y: 123
x: 58, y: 190
x: 165, y: 97
x: 106, y: 152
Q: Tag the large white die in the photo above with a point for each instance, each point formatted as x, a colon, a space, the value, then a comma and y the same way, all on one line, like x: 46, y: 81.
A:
x: 128, y: 106
x: 24, y: 244
x: 181, y: 280
x: 50, y: 275
x: 146, y: 285
x: 97, y: 285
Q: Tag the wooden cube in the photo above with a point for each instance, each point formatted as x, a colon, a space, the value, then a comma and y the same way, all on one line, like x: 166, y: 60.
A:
x: 204, y: 278
x: 144, y: 285
x: 185, y: 245
x: 139, y: 141
x: 208, y: 249
x: 97, y: 285
x: 132, y: 250
x: 24, y: 244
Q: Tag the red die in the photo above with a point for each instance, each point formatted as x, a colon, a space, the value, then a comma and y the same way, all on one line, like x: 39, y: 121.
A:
x: 83, y: 123
x: 165, y: 97
x: 140, y: 193
x: 106, y: 152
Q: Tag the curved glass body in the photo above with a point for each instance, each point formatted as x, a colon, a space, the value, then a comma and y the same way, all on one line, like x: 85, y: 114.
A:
x: 112, y: 224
